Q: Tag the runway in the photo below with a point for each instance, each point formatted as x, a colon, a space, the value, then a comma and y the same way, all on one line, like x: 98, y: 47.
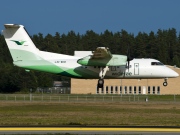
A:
x: 89, y: 130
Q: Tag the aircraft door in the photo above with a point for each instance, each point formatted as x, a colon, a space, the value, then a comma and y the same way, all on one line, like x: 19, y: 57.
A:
x: 136, y: 68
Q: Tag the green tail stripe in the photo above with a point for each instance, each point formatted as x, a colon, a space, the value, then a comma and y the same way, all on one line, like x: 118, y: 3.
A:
x: 18, y: 42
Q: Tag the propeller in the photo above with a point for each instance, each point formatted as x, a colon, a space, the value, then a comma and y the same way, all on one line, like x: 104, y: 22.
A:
x: 128, y: 57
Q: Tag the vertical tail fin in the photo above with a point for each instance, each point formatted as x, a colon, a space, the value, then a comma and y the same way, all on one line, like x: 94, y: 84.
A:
x: 19, y: 43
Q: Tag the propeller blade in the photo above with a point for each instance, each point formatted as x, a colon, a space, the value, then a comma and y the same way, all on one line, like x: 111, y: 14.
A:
x: 128, y: 57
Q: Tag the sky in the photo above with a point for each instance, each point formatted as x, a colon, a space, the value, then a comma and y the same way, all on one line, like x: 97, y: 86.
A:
x: 51, y: 16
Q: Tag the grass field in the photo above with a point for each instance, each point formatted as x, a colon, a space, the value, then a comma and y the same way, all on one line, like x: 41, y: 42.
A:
x: 104, y: 114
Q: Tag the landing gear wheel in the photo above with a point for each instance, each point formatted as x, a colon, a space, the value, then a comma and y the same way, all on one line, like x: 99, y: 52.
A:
x: 165, y: 83
x: 100, y: 83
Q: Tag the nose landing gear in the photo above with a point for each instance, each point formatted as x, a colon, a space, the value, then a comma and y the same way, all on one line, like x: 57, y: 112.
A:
x: 165, y: 82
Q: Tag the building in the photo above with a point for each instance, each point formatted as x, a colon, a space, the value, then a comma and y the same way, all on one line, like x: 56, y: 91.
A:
x: 127, y: 86
x: 59, y: 87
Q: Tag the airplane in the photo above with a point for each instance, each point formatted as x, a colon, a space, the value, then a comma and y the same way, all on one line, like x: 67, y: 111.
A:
x: 100, y: 65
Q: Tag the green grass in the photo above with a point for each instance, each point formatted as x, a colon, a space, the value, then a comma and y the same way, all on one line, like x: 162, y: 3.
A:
x: 110, y: 114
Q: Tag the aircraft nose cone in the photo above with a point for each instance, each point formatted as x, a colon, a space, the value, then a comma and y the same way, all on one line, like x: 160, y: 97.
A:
x: 176, y: 74
x: 171, y: 73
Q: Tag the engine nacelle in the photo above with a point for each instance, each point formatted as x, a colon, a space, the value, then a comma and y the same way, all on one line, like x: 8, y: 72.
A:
x: 115, y: 60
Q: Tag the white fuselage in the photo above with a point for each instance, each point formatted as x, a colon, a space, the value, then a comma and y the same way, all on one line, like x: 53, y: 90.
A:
x: 138, y: 69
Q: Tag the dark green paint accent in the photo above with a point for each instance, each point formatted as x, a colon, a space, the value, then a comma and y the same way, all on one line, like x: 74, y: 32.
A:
x: 65, y: 73
x: 18, y: 42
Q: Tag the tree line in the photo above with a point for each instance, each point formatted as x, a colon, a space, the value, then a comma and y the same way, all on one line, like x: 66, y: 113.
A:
x: 164, y: 45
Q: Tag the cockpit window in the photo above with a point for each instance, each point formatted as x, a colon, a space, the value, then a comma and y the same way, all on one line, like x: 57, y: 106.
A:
x: 157, y: 64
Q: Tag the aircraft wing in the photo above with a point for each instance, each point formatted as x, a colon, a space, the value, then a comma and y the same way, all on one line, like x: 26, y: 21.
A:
x: 103, y: 57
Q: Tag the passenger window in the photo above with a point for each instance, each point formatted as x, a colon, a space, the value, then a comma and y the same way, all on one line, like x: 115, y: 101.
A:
x: 113, y: 68
x: 127, y: 66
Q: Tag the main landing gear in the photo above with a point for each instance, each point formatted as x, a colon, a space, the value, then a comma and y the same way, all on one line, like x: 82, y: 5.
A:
x: 101, y: 75
x: 165, y: 82
x: 100, y: 83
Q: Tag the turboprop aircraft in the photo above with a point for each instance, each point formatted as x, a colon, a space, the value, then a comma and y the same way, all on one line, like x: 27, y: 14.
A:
x: 100, y: 65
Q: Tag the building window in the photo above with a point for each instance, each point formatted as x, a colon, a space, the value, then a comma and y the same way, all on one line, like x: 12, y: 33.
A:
x: 116, y: 89
x: 130, y: 90
x: 139, y: 89
x: 158, y: 90
x: 125, y: 89
x: 111, y: 89
x: 154, y: 89
x: 106, y: 89
x: 149, y: 90
x: 134, y: 89
x: 120, y: 89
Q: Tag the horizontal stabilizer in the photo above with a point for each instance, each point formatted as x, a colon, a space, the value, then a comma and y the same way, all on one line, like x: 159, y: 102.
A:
x: 12, y: 26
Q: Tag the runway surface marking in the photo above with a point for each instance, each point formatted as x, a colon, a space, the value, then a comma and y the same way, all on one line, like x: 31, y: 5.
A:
x: 90, y: 129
